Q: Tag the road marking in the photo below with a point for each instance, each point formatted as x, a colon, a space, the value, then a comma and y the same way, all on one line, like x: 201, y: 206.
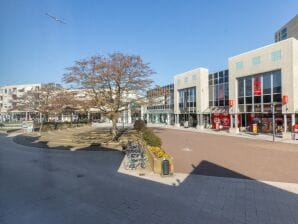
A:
x: 186, y: 150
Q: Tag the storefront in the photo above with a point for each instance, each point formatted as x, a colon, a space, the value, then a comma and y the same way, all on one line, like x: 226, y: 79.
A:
x: 257, y: 95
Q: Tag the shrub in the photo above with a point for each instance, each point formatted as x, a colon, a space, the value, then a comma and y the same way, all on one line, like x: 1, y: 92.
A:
x: 150, y: 138
x: 1, y: 125
x: 139, y: 125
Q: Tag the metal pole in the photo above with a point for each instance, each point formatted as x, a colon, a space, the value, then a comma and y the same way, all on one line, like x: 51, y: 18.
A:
x: 273, y: 121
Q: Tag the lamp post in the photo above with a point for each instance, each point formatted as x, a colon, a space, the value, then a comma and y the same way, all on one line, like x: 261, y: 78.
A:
x: 273, y: 120
x: 231, y: 104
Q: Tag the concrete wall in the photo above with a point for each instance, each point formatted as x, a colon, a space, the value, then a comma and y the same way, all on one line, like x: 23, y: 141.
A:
x: 201, y: 83
x: 287, y: 64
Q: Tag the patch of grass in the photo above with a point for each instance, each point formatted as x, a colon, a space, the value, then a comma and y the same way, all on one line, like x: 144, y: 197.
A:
x: 10, y: 130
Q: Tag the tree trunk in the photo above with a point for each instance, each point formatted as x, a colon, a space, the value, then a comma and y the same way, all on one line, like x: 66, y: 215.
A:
x: 41, y: 122
x: 114, y: 129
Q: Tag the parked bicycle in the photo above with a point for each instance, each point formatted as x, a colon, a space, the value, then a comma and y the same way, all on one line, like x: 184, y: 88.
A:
x: 136, y: 156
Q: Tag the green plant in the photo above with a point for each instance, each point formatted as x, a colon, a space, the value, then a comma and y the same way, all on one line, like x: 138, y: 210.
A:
x: 150, y: 138
x: 139, y: 125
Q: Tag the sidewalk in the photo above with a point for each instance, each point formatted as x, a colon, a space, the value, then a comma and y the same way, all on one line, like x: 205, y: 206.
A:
x: 262, y: 137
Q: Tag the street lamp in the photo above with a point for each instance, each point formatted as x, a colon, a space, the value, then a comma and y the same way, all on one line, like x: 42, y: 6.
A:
x: 273, y: 120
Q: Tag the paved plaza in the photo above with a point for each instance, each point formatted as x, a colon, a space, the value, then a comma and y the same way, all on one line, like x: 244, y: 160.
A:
x: 228, y: 156
x: 52, y: 186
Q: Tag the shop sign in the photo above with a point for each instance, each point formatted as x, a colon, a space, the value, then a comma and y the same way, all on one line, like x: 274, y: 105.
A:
x: 231, y: 103
x: 284, y: 99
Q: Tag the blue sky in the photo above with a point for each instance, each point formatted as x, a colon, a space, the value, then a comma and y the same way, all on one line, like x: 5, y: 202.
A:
x: 172, y: 35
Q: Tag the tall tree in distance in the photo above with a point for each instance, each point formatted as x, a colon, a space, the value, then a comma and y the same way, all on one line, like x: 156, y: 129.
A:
x: 112, y: 80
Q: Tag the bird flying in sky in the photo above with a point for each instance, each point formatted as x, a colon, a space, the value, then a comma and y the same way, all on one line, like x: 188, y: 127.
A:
x: 55, y: 18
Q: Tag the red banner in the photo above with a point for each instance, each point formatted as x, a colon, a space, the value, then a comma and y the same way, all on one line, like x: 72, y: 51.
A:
x: 257, y: 87
x: 221, y: 92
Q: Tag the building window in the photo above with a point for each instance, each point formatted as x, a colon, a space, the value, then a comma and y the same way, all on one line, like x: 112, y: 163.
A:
x: 239, y: 65
x: 210, y: 79
x: 226, y: 76
x: 277, y: 82
x: 185, y: 79
x: 194, y: 77
x: 219, y: 89
x: 284, y: 33
x: 178, y: 82
x: 275, y: 56
x: 248, y: 87
x: 267, y: 84
x: 256, y: 60
x: 241, y: 87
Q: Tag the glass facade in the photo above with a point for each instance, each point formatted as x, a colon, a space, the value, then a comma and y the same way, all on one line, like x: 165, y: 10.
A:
x: 256, y: 93
x: 219, y: 89
x: 187, y: 100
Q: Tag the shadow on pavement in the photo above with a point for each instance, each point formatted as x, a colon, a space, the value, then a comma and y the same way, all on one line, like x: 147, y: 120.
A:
x: 35, y: 142
x: 207, y: 168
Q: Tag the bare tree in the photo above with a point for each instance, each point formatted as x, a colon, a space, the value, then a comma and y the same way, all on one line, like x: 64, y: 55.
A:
x: 112, y: 80
x: 158, y: 96
x: 64, y: 101
x: 40, y: 100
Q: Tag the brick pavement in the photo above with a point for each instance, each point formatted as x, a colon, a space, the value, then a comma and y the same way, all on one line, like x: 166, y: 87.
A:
x: 227, y: 156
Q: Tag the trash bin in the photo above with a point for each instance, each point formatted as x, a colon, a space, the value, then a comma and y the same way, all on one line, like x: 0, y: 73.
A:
x: 217, y: 126
x: 186, y: 124
x: 165, y: 167
x: 255, y: 128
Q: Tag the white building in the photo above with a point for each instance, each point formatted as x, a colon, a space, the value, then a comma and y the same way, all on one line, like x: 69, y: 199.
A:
x: 191, y: 97
x: 261, y: 78
x: 9, y: 96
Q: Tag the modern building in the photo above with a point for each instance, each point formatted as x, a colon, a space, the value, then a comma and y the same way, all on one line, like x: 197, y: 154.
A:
x: 261, y: 79
x: 191, y: 97
x: 9, y: 98
x: 160, y: 105
x: 288, y: 30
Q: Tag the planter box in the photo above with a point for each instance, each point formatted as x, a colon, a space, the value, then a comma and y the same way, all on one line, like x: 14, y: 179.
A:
x: 156, y: 163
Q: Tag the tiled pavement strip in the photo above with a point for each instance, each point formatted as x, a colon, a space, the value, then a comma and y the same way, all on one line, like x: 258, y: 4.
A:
x: 261, y: 137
